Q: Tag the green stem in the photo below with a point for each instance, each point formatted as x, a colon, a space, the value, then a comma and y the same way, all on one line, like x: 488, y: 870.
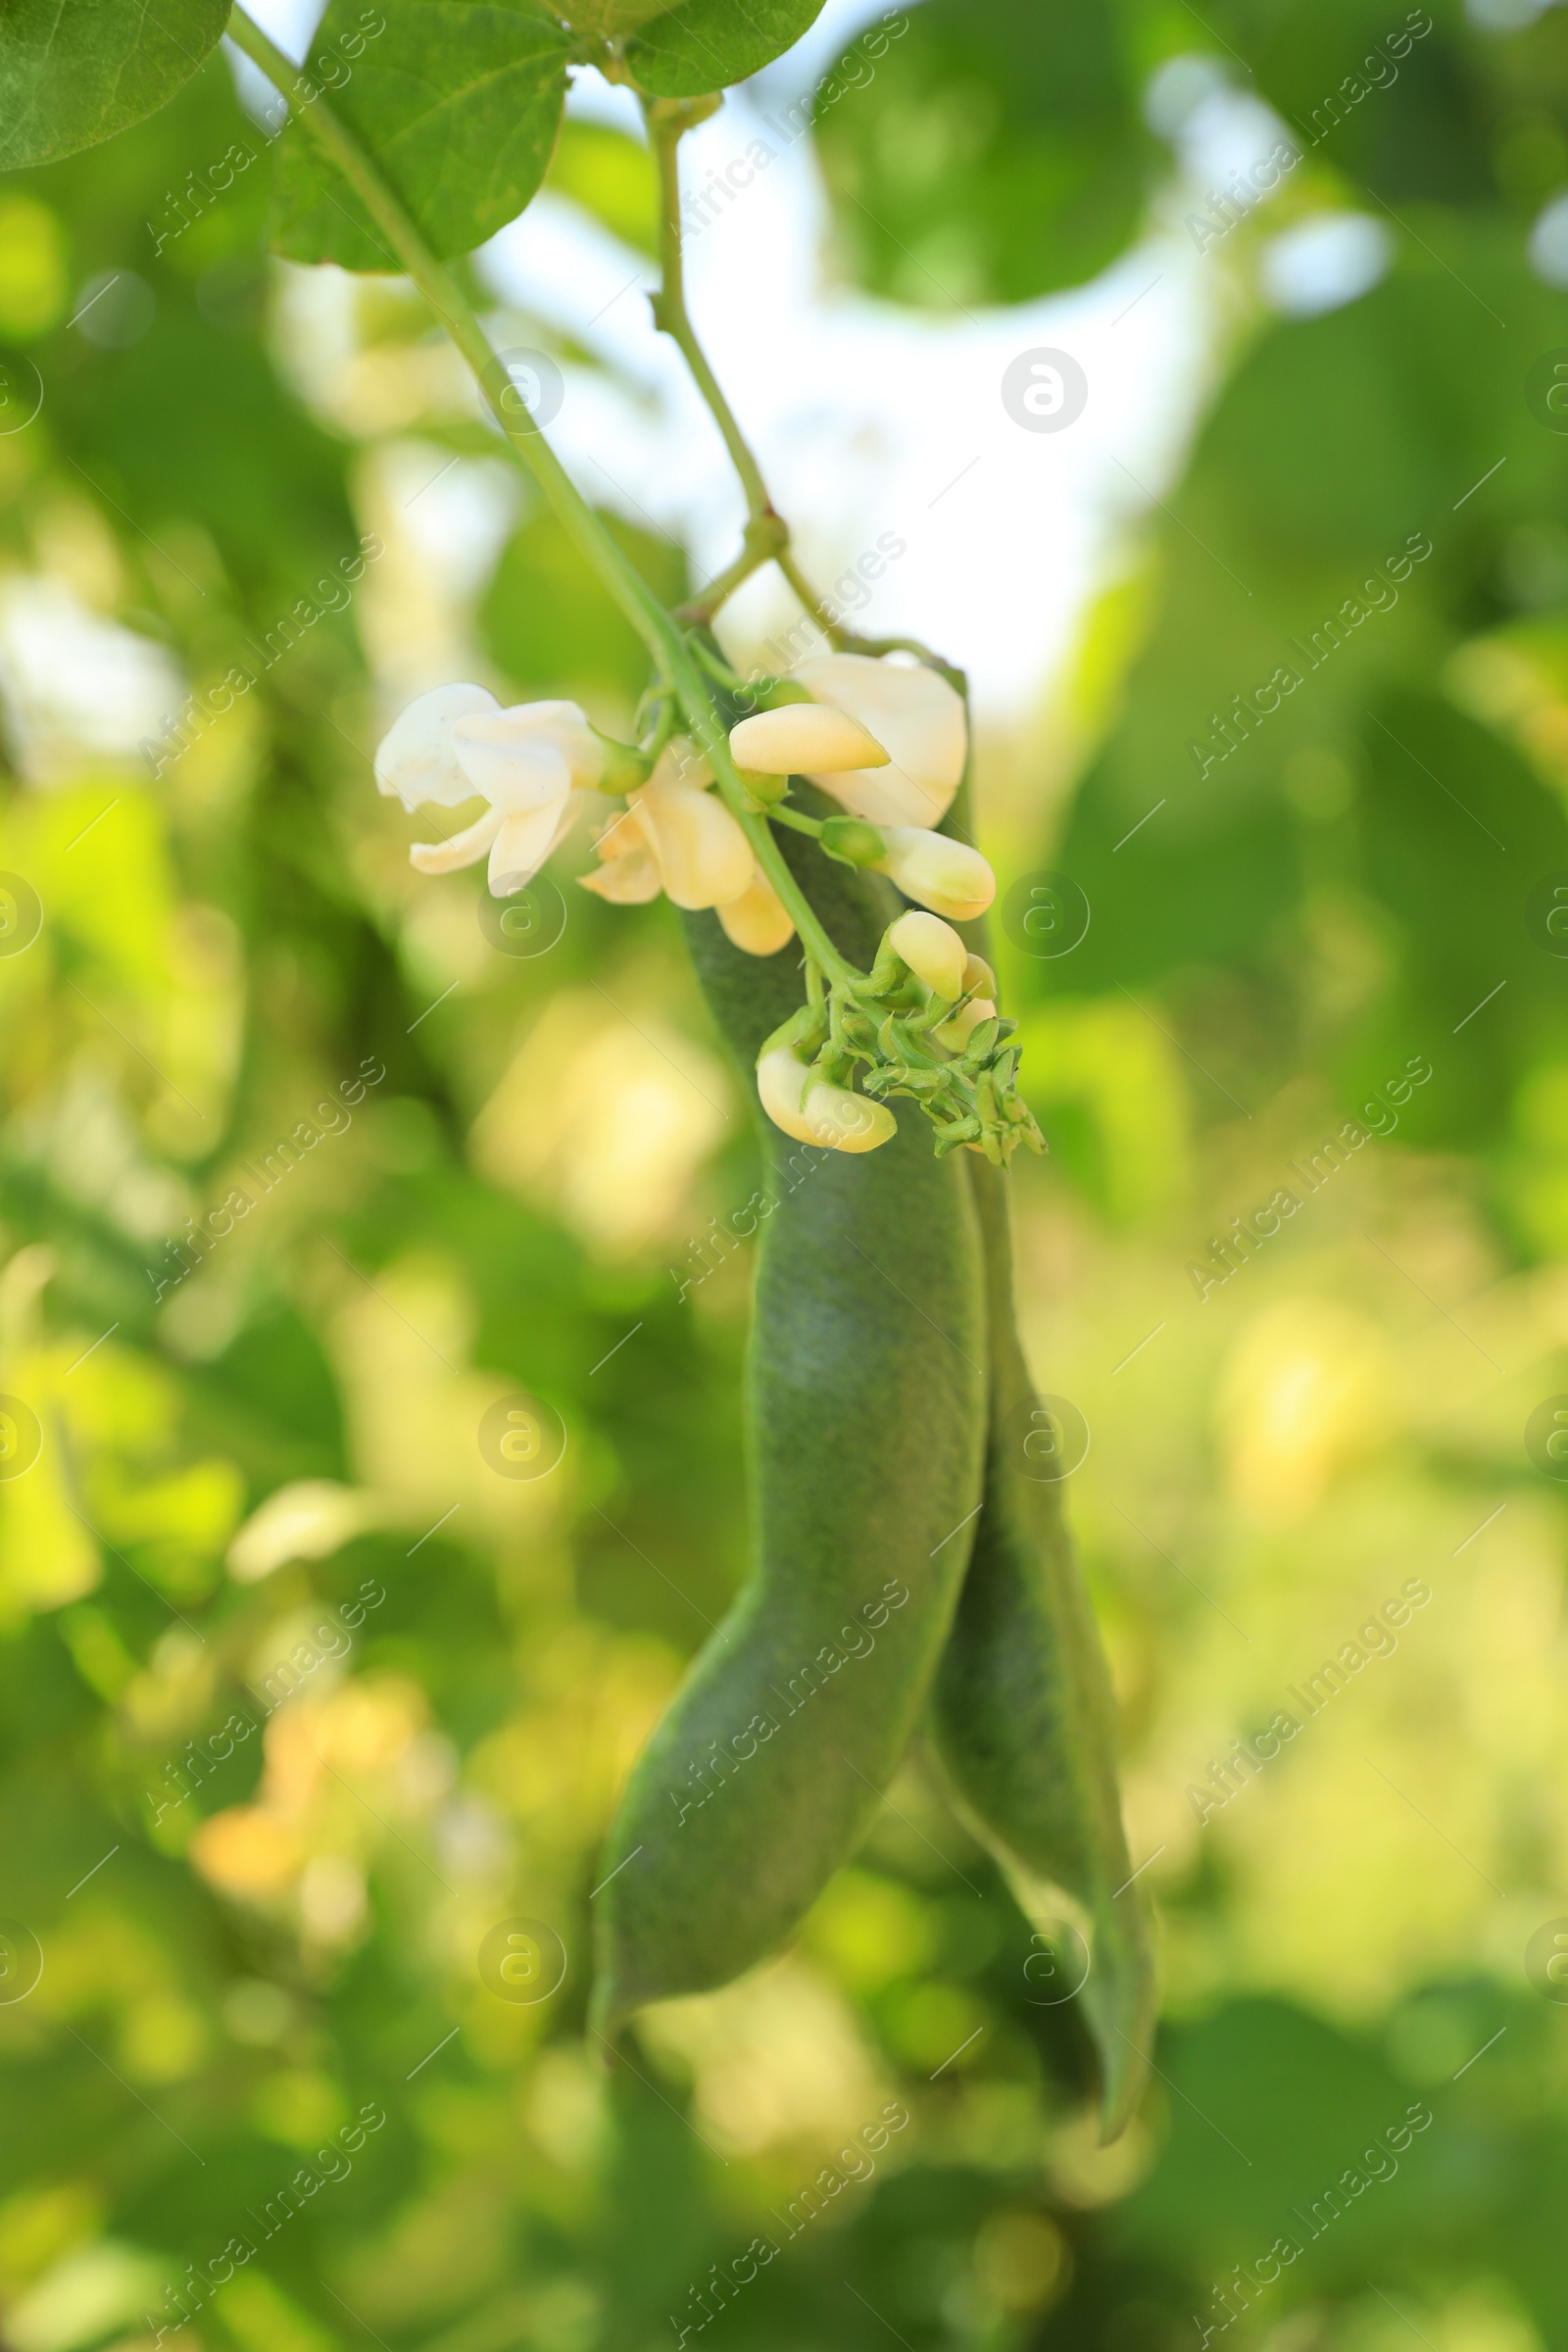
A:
x: 669, y: 118
x: 767, y: 534
x: 656, y: 628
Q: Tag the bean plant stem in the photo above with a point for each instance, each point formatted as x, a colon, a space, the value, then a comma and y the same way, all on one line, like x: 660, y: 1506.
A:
x: 767, y: 534
x: 656, y: 627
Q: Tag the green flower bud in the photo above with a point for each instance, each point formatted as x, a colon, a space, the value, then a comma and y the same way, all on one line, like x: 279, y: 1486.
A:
x: 765, y: 791
x: 852, y: 841
x: 626, y: 768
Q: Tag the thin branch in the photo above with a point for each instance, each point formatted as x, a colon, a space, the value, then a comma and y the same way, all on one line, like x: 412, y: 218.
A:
x: 672, y: 654
x: 767, y: 534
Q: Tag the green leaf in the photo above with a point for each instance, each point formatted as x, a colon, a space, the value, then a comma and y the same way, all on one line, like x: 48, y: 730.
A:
x: 74, y: 71
x: 459, y: 101
x: 710, y: 44
x: 610, y: 177
x: 986, y: 150
x: 548, y: 622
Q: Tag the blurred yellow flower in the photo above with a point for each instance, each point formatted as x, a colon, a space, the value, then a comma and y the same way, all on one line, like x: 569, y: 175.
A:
x: 1305, y: 1393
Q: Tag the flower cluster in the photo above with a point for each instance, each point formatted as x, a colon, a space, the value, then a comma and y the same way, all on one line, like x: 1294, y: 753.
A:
x: 924, y: 1023
x: 887, y: 740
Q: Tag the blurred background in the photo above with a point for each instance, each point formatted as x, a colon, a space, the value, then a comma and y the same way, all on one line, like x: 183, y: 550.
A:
x: 300, y: 1700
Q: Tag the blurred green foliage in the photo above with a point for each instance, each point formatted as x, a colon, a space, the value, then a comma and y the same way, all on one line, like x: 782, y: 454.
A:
x: 538, y: 1193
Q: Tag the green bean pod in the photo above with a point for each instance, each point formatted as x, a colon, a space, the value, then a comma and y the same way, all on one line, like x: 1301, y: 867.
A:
x: 865, y: 1414
x: 1022, y: 1712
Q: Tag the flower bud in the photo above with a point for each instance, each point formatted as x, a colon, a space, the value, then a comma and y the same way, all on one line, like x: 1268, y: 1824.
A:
x: 978, y: 977
x: 626, y: 768
x: 766, y: 790
x: 813, y: 1111
x: 956, y: 1033
x: 758, y: 921
x: 852, y: 842
x: 945, y: 875
x: 914, y: 713
x: 781, y: 1081
x: 932, y: 950
x: 842, y: 1121
x: 803, y: 739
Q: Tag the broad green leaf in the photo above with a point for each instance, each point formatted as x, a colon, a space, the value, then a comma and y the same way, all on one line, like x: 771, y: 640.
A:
x: 710, y: 43
x: 985, y: 150
x: 548, y: 623
x: 1381, y: 94
x: 610, y: 177
x: 459, y: 100
x: 74, y: 71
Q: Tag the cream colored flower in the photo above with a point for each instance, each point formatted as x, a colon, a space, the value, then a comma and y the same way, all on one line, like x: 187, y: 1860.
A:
x: 676, y: 836
x: 802, y: 738
x: 457, y: 744
x: 704, y: 857
x: 909, y: 709
x: 945, y: 875
x: 813, y: 1111
x: 933, y: 952
x: 758, y: 922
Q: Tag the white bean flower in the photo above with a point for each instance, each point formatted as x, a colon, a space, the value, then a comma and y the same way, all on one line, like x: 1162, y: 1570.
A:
x: 457, y: 744
x: 677, y: 836
x: 896, y: 758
